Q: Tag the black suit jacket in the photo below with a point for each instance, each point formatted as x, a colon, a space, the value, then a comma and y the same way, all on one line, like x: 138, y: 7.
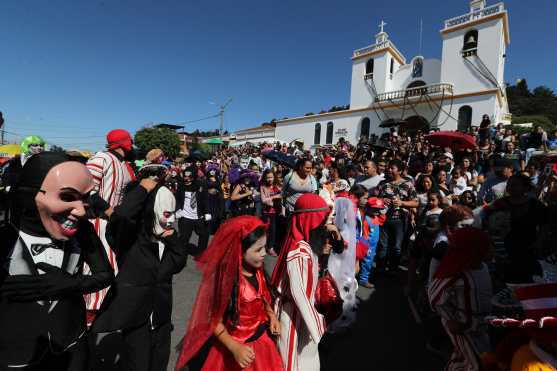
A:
x: 200, y: 194
x: 143, y: 285
x: 28, y: 329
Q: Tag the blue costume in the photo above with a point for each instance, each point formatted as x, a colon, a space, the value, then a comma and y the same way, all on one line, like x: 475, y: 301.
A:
x: 368, y: 234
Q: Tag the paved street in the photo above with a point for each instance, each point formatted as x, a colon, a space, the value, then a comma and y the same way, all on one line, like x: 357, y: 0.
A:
x: 385, y: 338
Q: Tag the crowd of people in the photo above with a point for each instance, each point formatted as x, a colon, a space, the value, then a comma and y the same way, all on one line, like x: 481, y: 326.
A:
x: 90, y: 248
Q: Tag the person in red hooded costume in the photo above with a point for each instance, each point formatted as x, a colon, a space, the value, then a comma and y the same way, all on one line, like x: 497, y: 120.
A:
x: 233, y: 304
x: 295, y: 277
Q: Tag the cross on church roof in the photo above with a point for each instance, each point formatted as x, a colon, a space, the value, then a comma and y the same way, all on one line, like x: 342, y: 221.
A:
x: 382, y: 25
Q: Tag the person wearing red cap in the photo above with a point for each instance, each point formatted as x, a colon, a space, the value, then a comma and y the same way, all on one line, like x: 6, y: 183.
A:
x: 111, y: 173
x: 368, y: 238
x: 295, y: 278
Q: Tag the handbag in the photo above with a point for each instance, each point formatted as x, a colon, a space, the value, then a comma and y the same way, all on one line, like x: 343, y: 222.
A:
x: 327, y: 297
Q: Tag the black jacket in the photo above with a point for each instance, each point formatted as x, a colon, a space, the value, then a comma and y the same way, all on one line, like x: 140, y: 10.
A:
x: 27, y: 326
x: 200, y: 189
x: 143, y: 285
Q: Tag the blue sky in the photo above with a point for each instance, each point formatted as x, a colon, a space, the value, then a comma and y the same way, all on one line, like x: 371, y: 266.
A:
x: 72, y: 70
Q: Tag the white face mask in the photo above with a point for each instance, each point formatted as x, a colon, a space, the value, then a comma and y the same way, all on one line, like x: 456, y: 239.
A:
x: 165, y: 206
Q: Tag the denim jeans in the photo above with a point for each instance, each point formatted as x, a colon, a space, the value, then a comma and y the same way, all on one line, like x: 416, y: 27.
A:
x: 391, y: 236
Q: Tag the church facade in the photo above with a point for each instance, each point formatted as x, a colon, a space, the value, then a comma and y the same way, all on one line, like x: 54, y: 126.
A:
x: 421, y: 93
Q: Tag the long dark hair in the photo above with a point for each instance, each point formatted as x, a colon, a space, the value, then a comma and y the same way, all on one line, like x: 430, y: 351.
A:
x: 420, y: 187
x: 249, y: 240
x: 264, y: 176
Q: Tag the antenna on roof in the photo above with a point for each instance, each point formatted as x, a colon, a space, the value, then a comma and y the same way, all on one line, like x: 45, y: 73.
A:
x: 420, y: 36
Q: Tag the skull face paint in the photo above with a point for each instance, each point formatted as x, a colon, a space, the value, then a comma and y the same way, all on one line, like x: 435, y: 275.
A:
x: 165, y: 206
x: 60, y: 199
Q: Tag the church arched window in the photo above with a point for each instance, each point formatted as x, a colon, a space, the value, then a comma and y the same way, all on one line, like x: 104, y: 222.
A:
x: 369, y: 69
x: 464, y: 118
x: 317, y: 134
x: 470, y: 41
x: 329, y: 138
x: 364, y: 128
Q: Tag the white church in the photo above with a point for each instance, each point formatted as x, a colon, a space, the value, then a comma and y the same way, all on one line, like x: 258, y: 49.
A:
x: 421, y: 93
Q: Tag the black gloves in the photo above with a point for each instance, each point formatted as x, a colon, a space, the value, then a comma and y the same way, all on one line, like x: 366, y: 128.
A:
x: 97, y: 206
x: 55, y: 283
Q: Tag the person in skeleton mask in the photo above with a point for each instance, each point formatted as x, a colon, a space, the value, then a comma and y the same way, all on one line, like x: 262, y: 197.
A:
x: 295, y: 278
x: 192, y: 209
x: 42, y: 311
x: 148, y: 252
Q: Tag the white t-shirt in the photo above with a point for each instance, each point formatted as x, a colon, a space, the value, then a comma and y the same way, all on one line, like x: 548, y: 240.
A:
x: 188, y: 211
x: 371, y: 183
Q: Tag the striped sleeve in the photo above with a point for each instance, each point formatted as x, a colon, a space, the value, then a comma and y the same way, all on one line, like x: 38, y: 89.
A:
x: 96, y: 167
x: 300, y: 276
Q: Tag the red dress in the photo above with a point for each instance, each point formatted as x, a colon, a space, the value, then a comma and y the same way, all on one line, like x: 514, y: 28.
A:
x: 251, y: 308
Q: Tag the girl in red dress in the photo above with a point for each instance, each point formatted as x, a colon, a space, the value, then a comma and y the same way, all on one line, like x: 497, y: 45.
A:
x: 233, y: 303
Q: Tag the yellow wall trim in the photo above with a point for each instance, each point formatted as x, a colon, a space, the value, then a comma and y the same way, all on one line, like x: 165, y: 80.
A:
x: 320, y: 116
x: 503, y: 16
x: 393, y: 52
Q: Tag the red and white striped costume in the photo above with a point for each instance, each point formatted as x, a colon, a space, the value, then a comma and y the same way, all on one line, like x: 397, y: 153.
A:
x: 110, y: 175
x: 302, y: 326
x: 466, y: 299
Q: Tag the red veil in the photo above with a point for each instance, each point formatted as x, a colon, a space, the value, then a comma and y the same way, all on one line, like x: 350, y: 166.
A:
x: 220, y: 265
x: 309, y: 213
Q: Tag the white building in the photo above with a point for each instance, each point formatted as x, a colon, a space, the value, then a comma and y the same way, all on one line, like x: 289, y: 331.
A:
x: 450, y: 94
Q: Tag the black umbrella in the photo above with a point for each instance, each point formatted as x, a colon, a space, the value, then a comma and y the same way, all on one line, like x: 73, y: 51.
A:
x: 197, y: 155
x: 281, y: 158
x: 391, y: 123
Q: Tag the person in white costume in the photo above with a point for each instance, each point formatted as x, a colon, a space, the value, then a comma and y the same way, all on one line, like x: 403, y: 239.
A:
x: 343, y: 266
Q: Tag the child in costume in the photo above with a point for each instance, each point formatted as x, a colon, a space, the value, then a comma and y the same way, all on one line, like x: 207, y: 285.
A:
x: 342, y: 265
x: 233, y: 303
x: 368, y: 237
x: 295, y: 277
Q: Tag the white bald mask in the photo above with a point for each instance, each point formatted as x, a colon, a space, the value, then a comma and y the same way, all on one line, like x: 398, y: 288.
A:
x: 165, y: 207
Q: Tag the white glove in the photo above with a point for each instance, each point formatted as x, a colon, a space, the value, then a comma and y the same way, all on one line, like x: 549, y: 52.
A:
x: 208, y: 217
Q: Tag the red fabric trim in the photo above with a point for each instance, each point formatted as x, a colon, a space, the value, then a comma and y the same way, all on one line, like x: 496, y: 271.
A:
x: 547, y: 290
x: 95, y: 165
x: 291, y: 341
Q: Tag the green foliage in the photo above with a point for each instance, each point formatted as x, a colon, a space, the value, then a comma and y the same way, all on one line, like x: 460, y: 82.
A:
x: 204, y: 147
x: 539, y: 102
x: 339, y: 108
x: 166, y: 139
x: 55, y: 148
x: 537, y: 120
x: 204, y: 134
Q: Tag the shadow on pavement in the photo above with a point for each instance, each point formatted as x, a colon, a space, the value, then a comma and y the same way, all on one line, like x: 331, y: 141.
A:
x: 385, y: 336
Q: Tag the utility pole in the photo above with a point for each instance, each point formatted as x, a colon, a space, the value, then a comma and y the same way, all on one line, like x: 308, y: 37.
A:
x: 2, y: 127
x: 222, y: 107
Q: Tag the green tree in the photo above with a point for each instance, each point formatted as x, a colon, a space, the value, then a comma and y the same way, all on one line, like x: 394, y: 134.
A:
x: 55, y: 148
x: 539, y: 102
x: 538, y: 120
x: 166, y: 139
